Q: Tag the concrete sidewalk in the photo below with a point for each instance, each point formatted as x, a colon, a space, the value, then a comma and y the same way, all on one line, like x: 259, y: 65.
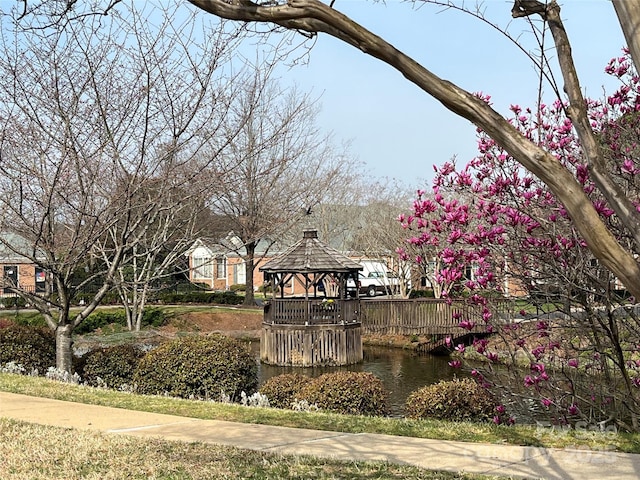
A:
x: 519, y: 462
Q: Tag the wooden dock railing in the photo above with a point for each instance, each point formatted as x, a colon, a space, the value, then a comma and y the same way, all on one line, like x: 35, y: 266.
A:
x: 384, y: 316
x: 424, y: 316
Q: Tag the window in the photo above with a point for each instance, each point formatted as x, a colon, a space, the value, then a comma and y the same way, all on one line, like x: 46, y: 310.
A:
x: 202, y: 267
x: 221, y: 267
x: 41, y: 278
x: 239, y: 273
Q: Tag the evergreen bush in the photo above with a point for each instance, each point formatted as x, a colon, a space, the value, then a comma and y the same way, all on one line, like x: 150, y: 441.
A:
x: 153, y: 317
x: 13, y: 302
x: 283, y: 390
x: 111, y: 367
x: 31, y: 347
x: 228, y: 298
x: 210, y: 368
x: 427, y: 293
x: 101, y: 318
x: 453, y: 400
x: 198, y: 296
x: 352, y: 393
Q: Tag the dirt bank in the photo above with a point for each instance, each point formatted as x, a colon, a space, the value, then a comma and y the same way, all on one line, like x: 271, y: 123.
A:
x: 241, y: 323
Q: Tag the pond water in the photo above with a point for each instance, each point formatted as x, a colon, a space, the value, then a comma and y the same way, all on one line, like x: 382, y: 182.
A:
x: 401, y: 371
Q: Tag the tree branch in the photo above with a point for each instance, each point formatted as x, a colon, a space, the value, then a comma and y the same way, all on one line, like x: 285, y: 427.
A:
x: 577, y: 112
x: 314, y: 16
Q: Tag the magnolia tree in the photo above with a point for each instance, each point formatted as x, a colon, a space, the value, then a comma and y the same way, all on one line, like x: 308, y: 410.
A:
x: 440, y: 221
x: 521, y: 241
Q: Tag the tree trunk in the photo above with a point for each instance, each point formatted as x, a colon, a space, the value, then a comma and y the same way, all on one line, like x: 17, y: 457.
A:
x: 628, y: 12
x: 249, y: 298
x: 64, y: 353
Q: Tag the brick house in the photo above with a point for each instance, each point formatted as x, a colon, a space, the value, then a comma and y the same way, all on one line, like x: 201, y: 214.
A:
x: 219, y: 264
x: 17, y: 270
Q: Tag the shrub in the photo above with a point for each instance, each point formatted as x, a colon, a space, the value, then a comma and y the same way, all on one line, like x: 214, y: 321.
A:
x: 197, y: 296
x: 198, y: 367
x: 101, y: 318
x: 154, y: 317
x: 112, y: 367
x: 457, y: 400
x: 265, y: 288
x: 284, y: 389
x: 31, y: 347
x: 188, y: 297
x: 238, y: 287
x: 13, y: 302
x: 421, y: 294
x: 30, y: 319
x: 352, y: 393
x: 228, y: 298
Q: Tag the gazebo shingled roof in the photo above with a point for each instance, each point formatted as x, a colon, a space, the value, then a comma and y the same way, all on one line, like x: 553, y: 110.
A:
x: 310, y: 255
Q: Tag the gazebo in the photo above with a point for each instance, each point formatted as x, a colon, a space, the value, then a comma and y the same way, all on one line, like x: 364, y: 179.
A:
x: 321, y: 327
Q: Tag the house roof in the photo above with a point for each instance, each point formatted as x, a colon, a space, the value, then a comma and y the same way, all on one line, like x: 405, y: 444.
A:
x: 232, y: 246
x: 310, y: 255
x: 12, y: 247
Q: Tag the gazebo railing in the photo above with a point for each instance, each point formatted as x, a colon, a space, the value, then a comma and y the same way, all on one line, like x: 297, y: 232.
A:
x: 301, y: 311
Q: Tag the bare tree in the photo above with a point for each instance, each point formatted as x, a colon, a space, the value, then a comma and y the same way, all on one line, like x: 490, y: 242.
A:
x: 167, y: 201
x: 97, y: 123
x: 277, y: 167
x: 377, y: 234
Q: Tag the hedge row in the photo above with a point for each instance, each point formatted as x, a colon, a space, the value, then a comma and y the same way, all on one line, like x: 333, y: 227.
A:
x: 101, y: 318
x: 230, y: 297
x: 225, y: 298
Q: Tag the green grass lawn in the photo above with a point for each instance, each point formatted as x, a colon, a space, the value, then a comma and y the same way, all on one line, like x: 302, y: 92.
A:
x: 461, y: 431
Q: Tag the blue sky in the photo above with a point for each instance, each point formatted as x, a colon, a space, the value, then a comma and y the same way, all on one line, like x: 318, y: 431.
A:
x: 397, y: 130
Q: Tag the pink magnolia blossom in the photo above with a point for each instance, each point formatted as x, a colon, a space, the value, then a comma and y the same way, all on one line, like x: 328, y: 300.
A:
x: 467, y: 324
x: 455, y: 363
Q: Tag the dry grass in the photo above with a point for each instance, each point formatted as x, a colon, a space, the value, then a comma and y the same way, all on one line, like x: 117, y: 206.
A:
x: 36, y: 452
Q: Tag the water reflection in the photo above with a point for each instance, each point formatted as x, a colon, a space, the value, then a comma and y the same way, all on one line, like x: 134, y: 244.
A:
x: 401, y: 371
